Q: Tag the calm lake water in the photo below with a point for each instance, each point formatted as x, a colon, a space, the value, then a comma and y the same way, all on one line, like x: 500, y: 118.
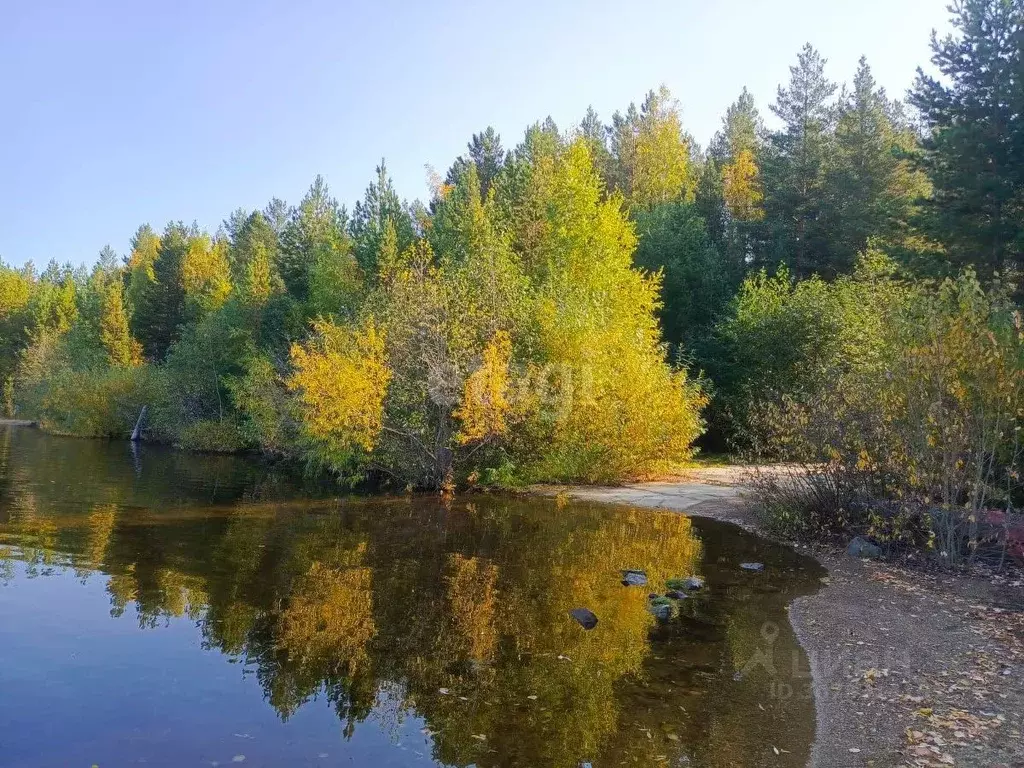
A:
x: 168, y: 609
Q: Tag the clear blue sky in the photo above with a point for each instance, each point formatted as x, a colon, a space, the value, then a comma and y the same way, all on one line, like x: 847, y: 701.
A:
x: 119, y: 112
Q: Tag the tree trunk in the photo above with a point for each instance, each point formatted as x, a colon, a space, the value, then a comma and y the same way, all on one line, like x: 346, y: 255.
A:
x: 137, y: 432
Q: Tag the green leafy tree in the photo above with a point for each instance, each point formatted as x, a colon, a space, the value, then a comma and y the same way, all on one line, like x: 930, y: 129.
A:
x: 16, y: 289
x: 697, y: 279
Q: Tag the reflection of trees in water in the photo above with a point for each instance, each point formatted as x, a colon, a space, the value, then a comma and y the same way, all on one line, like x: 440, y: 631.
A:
x: 379, y: 606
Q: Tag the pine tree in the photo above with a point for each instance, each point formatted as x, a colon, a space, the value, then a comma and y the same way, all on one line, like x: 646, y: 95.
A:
x: 486, y: 155
x: 313, y: 238
x: 872, y: 190
x: 160, y: 312
x: 974, y: 150
x: 251, y: 234
x: 730, y: 190
x: 379, y: 205
x: 595, y: 134
x: 741, y: 129
x: 795, y: 169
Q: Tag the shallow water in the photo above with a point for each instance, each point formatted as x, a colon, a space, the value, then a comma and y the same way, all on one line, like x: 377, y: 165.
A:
x: 167, y: 609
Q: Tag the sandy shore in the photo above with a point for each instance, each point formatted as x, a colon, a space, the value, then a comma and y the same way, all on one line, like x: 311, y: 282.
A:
x: 909, y: 669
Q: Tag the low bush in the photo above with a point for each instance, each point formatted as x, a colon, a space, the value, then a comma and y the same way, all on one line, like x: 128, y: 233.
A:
x: 915, y: 444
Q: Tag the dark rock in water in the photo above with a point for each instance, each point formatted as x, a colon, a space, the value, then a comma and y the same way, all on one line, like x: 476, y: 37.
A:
x: 691, y: 583
x: 752, y: 566
x: 861, y: 547
x: 675, y: 594
x: 585, y: 617
x: 634, y: 579
x: 661, y: 612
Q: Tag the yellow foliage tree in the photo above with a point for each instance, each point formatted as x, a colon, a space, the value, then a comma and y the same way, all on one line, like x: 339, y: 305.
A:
x: 123, y: 351
x: 145, y: 246
x: 741, y: 187
x: 341, y: 376
x: 206, y: 273
x: 485, y: 403
x: 662, y: 169
x: 612, y: 407
x: 329, y: 619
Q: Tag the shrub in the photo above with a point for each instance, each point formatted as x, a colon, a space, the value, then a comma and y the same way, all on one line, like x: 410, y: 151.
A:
x: 788, y: 338
x: 94, y: 403
x: 913, y: 444
x: 211, y: 437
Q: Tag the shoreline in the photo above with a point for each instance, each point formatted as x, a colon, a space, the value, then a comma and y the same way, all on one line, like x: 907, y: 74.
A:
x: 908, y: 668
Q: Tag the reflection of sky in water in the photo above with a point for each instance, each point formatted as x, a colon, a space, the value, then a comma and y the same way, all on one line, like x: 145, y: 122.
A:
x: 186, y: 610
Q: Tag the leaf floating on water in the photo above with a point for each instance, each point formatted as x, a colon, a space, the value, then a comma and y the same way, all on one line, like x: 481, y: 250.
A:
x: 479, y: 736
x: 532, y: 697
x: 443, y: 691
x: 775, y: 749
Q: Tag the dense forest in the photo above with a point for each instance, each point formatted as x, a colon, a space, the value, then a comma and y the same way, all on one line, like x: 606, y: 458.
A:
x: 841, y: 288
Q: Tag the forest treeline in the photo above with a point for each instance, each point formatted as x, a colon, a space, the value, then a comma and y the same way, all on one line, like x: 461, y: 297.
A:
x: 843, y: 286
